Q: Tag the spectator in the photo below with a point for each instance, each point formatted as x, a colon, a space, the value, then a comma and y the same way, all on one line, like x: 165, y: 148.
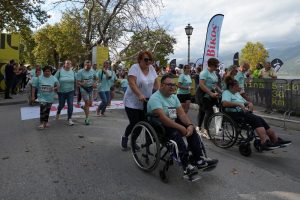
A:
x: 240, y: 77
x: 9, y: 78
x: 184, y: 88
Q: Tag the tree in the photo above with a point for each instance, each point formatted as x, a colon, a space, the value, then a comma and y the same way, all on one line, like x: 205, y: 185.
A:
x: 18, y: 14
x: 157, y: 41
x: 111, y: 23
x: 61, y: 41
x: 254, y: 53
x: 27, y: 45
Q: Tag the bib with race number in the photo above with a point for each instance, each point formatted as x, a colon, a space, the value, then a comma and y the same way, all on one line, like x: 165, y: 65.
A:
x: 88, y: 82
x: 172, y: 112
x: 46, y: 88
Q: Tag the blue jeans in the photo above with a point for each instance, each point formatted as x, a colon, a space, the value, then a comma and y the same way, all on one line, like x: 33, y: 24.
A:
x: 62, y: 97
x: 105, y: 97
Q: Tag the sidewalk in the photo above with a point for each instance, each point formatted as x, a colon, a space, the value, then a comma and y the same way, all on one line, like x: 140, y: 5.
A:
x: 16, y: 99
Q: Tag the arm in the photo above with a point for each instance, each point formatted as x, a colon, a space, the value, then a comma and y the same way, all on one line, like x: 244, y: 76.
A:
x: 132, y: 84
x: 156, y: 84
x: 168, y: 122
x: 206, y: 90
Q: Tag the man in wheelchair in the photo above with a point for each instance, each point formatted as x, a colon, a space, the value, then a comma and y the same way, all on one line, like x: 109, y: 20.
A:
x: 166, y: 106
x: 241, y: 110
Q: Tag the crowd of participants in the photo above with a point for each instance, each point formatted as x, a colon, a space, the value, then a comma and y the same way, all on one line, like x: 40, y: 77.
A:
x: 168, y: 99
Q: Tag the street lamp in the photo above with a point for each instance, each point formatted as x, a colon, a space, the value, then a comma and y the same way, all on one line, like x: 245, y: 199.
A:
x: 188, y: 32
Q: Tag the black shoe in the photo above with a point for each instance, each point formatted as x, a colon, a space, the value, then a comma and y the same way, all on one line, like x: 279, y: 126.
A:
x: 190, y: 170
x: 201, y: 164
x: 8, y: 98
x: 283, y: 143
x: 210, y: 161
x: 268, y: 145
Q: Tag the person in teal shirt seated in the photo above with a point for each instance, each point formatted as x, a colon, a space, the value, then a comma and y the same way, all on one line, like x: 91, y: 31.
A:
x: 106, y: 79
x: 240, y: 109
x: 166, y: 105
x: 46, y: 85
x: 184, y: 88
x: 66, y: 78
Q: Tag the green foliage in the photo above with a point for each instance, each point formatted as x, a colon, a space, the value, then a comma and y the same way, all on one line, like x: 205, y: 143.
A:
x: 64, y: 40
x: 18, y: 14
x: 27, y: 45
x: 158, y: 42
x: 254, y: 53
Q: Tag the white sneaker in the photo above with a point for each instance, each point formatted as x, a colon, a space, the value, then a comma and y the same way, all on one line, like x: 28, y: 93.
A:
x: 71, y: 123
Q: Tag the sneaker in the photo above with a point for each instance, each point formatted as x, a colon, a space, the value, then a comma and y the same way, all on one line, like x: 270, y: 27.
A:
x: 47, y: 125
x: 210, y: 161
x: 57, y: 116
x: 201, y: 164
x: 268, y: 145
x: 283, y: 143
x: 87, y: 121
x: 71, y: 123
x: 124, y: 141
x: 190, y: 170
x: 41, y: 126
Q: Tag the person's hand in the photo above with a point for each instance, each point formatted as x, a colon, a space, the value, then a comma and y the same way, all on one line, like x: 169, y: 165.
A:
x: 214, y: 95
x: 242, y: 107
x: 250, y: 107
x: 142, y: 98
x: 183, y: 130
x: 189, y: 130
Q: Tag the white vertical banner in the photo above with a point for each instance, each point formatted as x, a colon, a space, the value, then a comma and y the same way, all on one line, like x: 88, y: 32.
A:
x: 211, y: 48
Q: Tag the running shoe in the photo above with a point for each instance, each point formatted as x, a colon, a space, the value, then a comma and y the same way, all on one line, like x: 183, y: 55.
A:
x: 283, y: 143
x: 268, y: 145
x: 87, y: 121
x: 71, y: 123
x: 124, y: 143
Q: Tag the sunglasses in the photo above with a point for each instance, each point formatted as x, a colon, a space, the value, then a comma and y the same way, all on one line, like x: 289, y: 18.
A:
x: 147, y: 59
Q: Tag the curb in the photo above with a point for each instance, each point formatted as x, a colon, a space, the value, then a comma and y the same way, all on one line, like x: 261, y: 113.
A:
x: 12, y: 103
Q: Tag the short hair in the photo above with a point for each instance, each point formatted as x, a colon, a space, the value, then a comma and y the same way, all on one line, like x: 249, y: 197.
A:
x: 230, y: 81
x: 213, y: 62
x: 142, y: 53
x: 165, y: 76
x: 186, y: 66
x: 47, y: 67
x: 86, y: 62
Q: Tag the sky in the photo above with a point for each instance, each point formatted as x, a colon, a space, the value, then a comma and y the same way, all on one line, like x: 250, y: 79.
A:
x: 271, y: 22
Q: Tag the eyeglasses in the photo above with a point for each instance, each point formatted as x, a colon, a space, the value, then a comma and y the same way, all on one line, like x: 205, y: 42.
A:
x: 147, y: 59
x: 170, y: 84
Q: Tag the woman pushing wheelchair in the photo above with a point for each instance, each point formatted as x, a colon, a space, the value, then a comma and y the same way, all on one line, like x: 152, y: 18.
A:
x: 238, y: 108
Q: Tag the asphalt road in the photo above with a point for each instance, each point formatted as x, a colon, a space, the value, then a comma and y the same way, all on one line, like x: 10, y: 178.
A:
x: 57, y: 164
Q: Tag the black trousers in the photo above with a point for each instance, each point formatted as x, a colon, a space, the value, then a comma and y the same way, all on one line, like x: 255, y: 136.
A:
x: 8, y: 84
x: 45, y: 111
x: 134, y: 116
x: 205, y: 110
x: 194, y: 145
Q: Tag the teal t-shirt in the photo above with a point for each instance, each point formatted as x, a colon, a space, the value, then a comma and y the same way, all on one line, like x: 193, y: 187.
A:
x: 210, y: 78
x: 66, y: 80
x: 185, y: 81
x: 87, y: 77
x: 124, y: 83
x: 105, y: 83
x: 167, y: 104
x: 45, y: 87
x: 235, y: 98
x: 240, y: 78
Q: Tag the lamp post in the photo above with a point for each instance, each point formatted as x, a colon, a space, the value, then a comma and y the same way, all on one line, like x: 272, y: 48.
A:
x: 188, y: 32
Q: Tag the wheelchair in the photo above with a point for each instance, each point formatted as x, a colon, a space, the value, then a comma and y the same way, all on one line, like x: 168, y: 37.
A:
x: 224, y: 132
x: 153, y: 146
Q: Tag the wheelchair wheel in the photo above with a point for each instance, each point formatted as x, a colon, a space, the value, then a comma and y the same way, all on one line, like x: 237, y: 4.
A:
x: 245, y: 149
x: 221, y: 130
x: 145, y: 146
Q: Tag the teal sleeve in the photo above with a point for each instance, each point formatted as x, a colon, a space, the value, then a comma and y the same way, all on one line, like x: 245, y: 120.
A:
x: 154, y: 104
x: 35, y: 82
x: 226, y: 96
x: 56, y: 74
x: 203, y: 76
x: 78, y: 77
x: 180, y: 79
x: 177, y: 102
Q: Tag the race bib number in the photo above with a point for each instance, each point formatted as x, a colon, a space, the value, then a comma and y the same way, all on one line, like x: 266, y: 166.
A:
x: 172, y: 112
x: 46, y: 88
x: 88, y: 82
